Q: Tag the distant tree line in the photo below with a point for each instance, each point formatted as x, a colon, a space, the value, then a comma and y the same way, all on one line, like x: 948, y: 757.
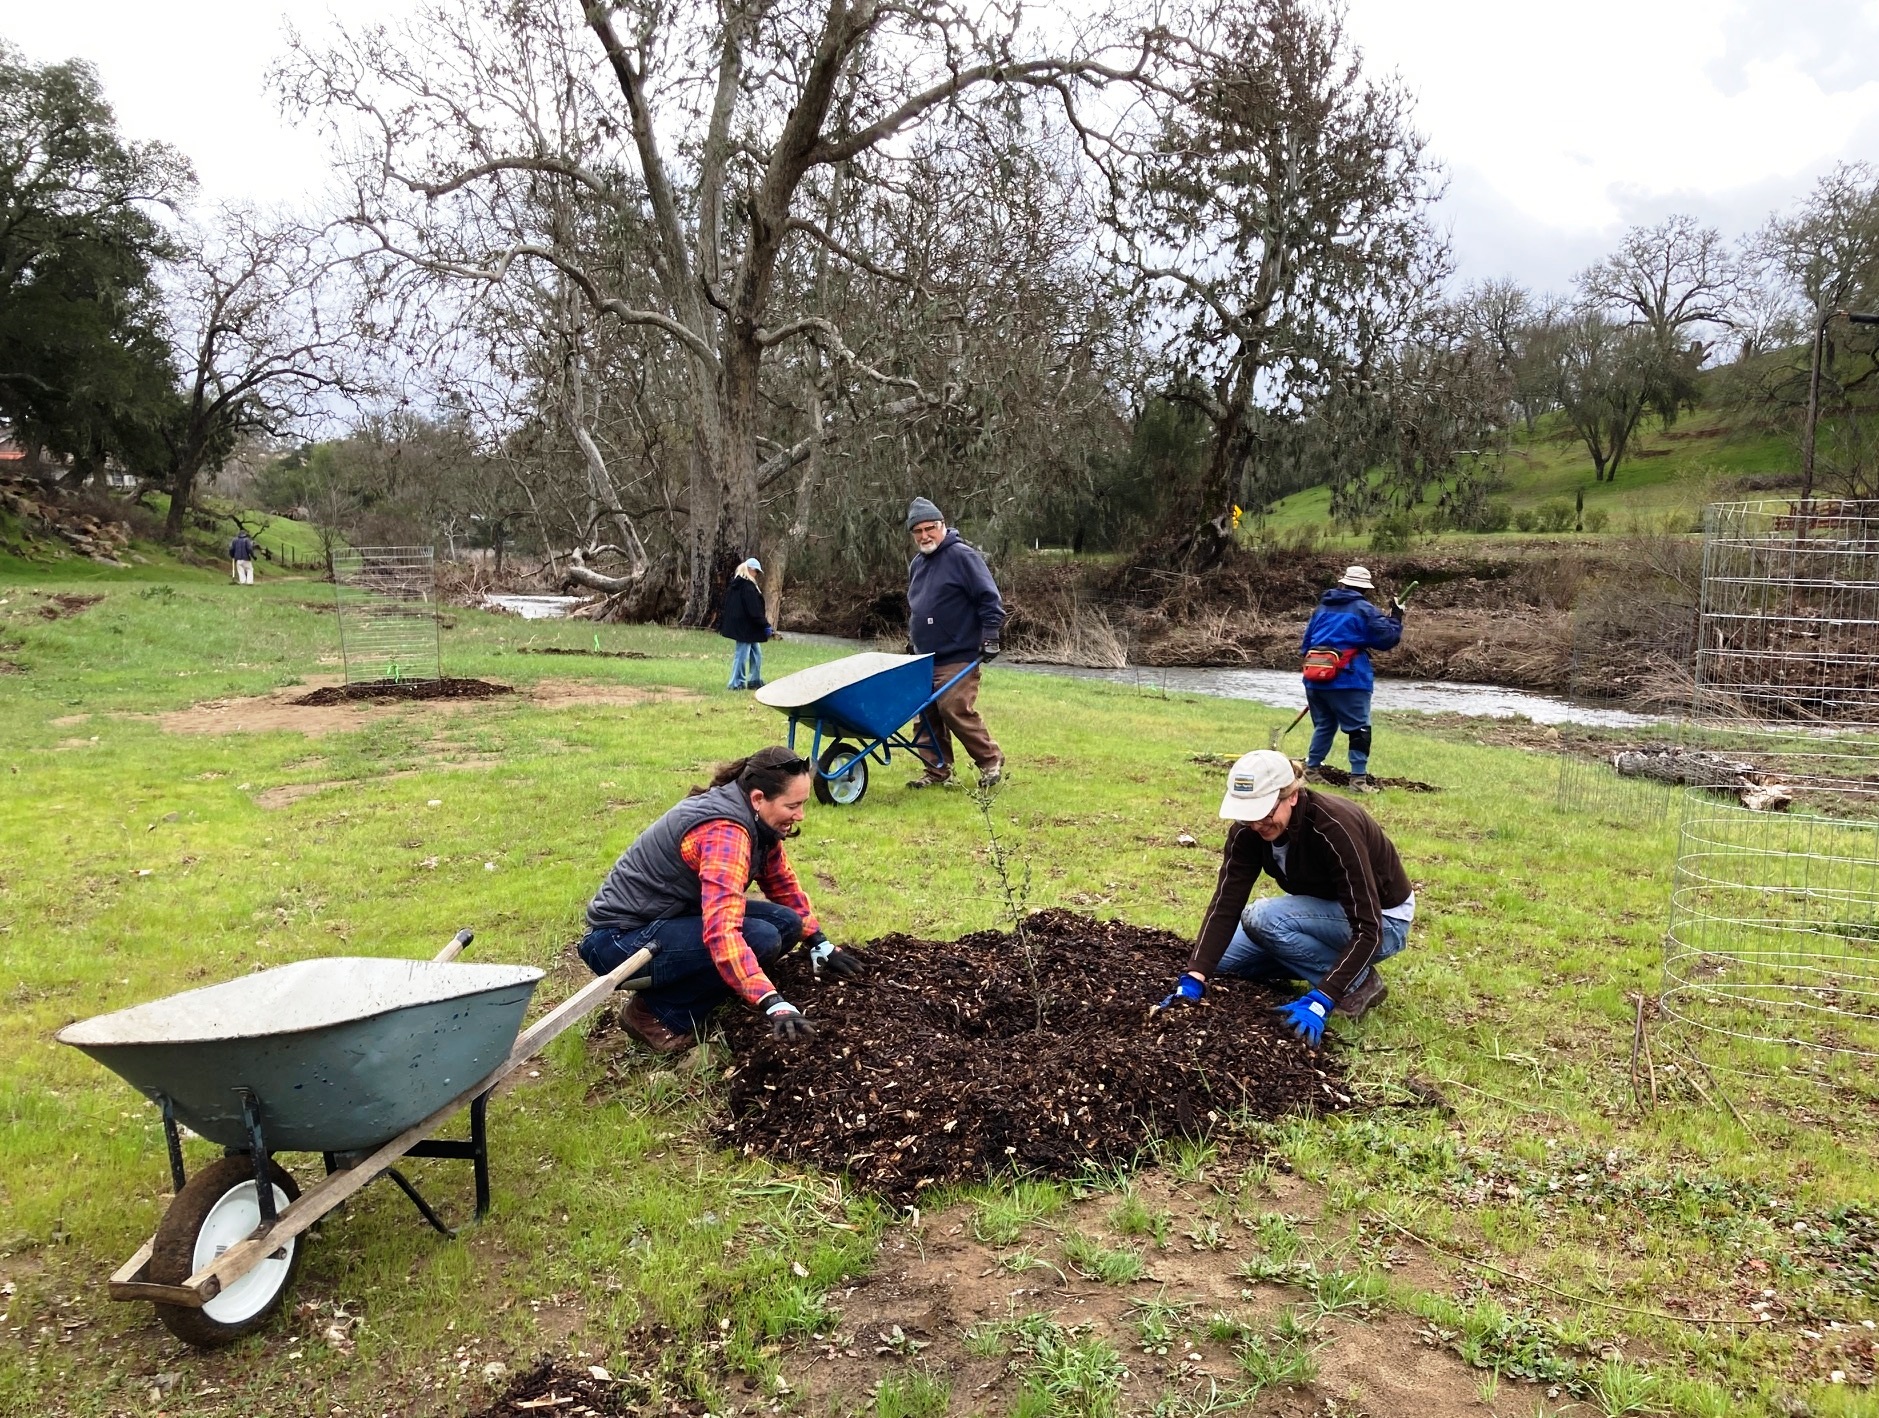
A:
x: 638, y: 290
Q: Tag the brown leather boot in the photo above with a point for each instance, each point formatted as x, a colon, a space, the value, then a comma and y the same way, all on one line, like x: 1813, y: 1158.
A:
x: 644, y: 1026
x: 1368, y: 995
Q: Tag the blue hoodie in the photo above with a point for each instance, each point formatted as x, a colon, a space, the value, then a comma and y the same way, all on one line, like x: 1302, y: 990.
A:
x: 953, y: 605
x: 1344, y: 620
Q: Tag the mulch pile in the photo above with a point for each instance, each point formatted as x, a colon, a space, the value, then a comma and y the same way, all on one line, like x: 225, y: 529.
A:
x: 379, y: 691
x: 933, y: 1069
x: 59, y: 607
x: 560, y: 1390
x: 590, y: 654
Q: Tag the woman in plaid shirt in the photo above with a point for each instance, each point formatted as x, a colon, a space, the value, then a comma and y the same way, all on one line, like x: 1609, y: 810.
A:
x: 681, y: 889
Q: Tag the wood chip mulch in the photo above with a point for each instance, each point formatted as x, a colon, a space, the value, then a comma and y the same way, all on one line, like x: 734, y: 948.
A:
x: 381, y: 690
x: 934, y: 1069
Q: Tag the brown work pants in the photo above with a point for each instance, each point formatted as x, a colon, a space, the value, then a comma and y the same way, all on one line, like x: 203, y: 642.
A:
x: 956, y: 713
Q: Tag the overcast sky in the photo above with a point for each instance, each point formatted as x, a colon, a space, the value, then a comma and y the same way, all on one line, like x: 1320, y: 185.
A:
x: 1559, y: 123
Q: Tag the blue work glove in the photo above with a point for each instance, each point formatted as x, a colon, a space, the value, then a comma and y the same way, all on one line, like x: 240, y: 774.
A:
x: 1305, y: 1016
x: 786, y: 1021
x: 989, y: 651
x: 1187, y: 990
x: 830, y: 960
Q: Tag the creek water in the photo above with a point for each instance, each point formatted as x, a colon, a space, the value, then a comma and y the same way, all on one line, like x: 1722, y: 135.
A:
x: 1278, y: 688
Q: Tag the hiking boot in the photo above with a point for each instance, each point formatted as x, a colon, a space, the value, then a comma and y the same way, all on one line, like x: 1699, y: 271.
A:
x: 646, y: 1027
x: 1363, y: 783
x: 927, y: 780
x: 992, y: 774
x: 755, y: 684
x: 1315, y: 774
x: 1364, y: 997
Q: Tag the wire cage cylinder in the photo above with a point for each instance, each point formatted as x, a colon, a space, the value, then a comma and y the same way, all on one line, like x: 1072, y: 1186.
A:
x: 389, y: 627
x: 1774, y: 921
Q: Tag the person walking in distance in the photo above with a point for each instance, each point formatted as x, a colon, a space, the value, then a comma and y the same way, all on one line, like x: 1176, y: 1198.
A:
x: 241, y: 553
x: 1338, y: 639
x: 955, y: 615
x: 742, y: 621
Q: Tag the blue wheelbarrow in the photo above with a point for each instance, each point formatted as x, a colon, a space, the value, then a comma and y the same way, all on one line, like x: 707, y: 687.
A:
x: 861, y: 707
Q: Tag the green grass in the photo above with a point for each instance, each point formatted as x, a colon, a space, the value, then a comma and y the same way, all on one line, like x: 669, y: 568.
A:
x: 1665, y: 480
x: 135, y: 862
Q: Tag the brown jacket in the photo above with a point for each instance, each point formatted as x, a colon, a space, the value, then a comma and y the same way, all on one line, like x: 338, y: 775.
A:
x: 1334, y: 850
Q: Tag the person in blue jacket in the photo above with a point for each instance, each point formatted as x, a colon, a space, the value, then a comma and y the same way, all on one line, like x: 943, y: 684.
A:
x: 1338, y: 639
x: 954, y: 614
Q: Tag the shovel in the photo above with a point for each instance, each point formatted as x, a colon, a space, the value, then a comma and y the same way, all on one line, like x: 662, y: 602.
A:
x: 1278, y: 735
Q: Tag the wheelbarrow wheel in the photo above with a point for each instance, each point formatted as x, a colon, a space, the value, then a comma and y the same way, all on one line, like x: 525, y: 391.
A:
x: 844, y: 789
x: 216, y: 1209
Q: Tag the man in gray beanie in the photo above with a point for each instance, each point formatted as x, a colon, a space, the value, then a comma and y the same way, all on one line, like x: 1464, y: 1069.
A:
x: 955, y: 615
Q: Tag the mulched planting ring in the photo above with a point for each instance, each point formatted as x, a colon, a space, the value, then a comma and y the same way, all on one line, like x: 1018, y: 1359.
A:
x: 378, y: 691
x: 934, y: 1070
x: 590, y: 654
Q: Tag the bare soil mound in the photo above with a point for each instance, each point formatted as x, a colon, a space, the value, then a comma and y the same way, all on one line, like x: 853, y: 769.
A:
x: 562, y: 1389
x: 379, y: 691
x: 936, y: 1069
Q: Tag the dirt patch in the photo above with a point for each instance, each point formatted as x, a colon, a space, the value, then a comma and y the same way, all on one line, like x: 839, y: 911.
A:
x: 390, y: 691
x: 286, y: 794
x: 937, y: 1283
x: 67, y: 604
x: 590, y: 654
x: 1336, y: 777
x: 935, y: 1069
x: 557, y: 1389
x: 574, y: 694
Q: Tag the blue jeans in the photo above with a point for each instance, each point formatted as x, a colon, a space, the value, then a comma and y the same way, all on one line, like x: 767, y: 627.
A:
x: 1284, y: 938
x: 686, y: 985
x: 746, y: 665
x: 1334, y: 709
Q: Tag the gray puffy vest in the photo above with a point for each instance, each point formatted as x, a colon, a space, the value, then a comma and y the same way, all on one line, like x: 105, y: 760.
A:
x: 651, y: 882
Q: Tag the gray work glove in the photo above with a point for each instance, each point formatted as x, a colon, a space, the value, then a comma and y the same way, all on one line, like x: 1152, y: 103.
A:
x: 832, y: 962
x: 990, y: 651
x: 786, y: 1021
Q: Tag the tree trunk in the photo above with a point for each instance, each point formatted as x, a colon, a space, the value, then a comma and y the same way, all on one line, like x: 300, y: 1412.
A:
x: 182, y: 485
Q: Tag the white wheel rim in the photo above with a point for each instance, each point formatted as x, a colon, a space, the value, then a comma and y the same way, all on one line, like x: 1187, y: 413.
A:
x: 846, y: 787
x: 230, y: 1221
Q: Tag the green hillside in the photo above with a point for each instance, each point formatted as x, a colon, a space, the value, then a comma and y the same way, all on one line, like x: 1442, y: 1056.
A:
x: 1666, y: 475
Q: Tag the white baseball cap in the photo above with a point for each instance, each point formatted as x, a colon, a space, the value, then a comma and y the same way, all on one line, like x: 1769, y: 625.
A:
x: 1254, y: 785
x: 754, y: 564
x: 1358, y: 577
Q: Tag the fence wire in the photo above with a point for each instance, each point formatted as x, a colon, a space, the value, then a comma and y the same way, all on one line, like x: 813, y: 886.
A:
x: 388, y: 615
x: 1774, y: 921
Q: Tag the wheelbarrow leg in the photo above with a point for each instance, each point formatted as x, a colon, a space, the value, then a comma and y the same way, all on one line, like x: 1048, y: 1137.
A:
x: 423, y: 1206
x: 175, y: 1142
x: 257, y: 1152
x: 479, y: 1157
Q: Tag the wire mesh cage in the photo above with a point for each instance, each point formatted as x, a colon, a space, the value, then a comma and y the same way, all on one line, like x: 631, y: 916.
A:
x: 1774, y: 923
x: 388, y: 619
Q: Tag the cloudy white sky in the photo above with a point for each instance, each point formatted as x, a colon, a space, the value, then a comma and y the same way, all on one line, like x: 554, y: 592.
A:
x: 1560, y: 121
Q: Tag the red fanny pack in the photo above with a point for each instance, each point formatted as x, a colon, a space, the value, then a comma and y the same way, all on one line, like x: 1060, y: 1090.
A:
x: 1323, y: 664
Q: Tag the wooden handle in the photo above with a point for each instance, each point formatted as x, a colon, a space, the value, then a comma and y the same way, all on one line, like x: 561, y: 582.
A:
x: 458, y: 944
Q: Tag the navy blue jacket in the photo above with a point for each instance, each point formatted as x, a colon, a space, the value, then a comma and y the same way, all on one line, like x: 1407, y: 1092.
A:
x: 952, y: 602
x: 741, y: 619
x: 242, y: 548
x: 1344, y: 620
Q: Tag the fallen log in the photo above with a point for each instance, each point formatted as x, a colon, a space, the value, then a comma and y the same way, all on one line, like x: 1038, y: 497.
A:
x: 1696, y: 768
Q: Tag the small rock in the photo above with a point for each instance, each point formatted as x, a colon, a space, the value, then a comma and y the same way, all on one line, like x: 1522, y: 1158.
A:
x: 495, y: 1369
x: 1186, y: 839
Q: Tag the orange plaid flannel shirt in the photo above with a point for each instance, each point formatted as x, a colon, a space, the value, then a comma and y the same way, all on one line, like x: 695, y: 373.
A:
x: 719, y: 851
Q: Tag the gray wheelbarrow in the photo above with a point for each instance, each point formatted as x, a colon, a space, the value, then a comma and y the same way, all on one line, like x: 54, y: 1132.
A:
x: 358, y: 1059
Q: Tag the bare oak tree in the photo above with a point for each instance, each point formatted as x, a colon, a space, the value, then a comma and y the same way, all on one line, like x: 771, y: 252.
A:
x: 700, y: 126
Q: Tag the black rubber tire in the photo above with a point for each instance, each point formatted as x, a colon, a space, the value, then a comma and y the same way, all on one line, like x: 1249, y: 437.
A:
x: 837, y: 793
x: 172, y: 1254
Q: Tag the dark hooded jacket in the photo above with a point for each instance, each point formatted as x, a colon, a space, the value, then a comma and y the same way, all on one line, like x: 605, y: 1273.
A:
x: 741, y: 619
x: 953, y: 604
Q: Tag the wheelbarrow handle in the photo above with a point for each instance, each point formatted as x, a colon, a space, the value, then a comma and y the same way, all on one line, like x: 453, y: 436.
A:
x: 458, y: 944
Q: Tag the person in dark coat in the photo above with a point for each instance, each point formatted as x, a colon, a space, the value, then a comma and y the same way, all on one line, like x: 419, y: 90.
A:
x: 1339, y: 681
x: 955, y: 615
x: 241, y: 553
x: 742, y: 620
